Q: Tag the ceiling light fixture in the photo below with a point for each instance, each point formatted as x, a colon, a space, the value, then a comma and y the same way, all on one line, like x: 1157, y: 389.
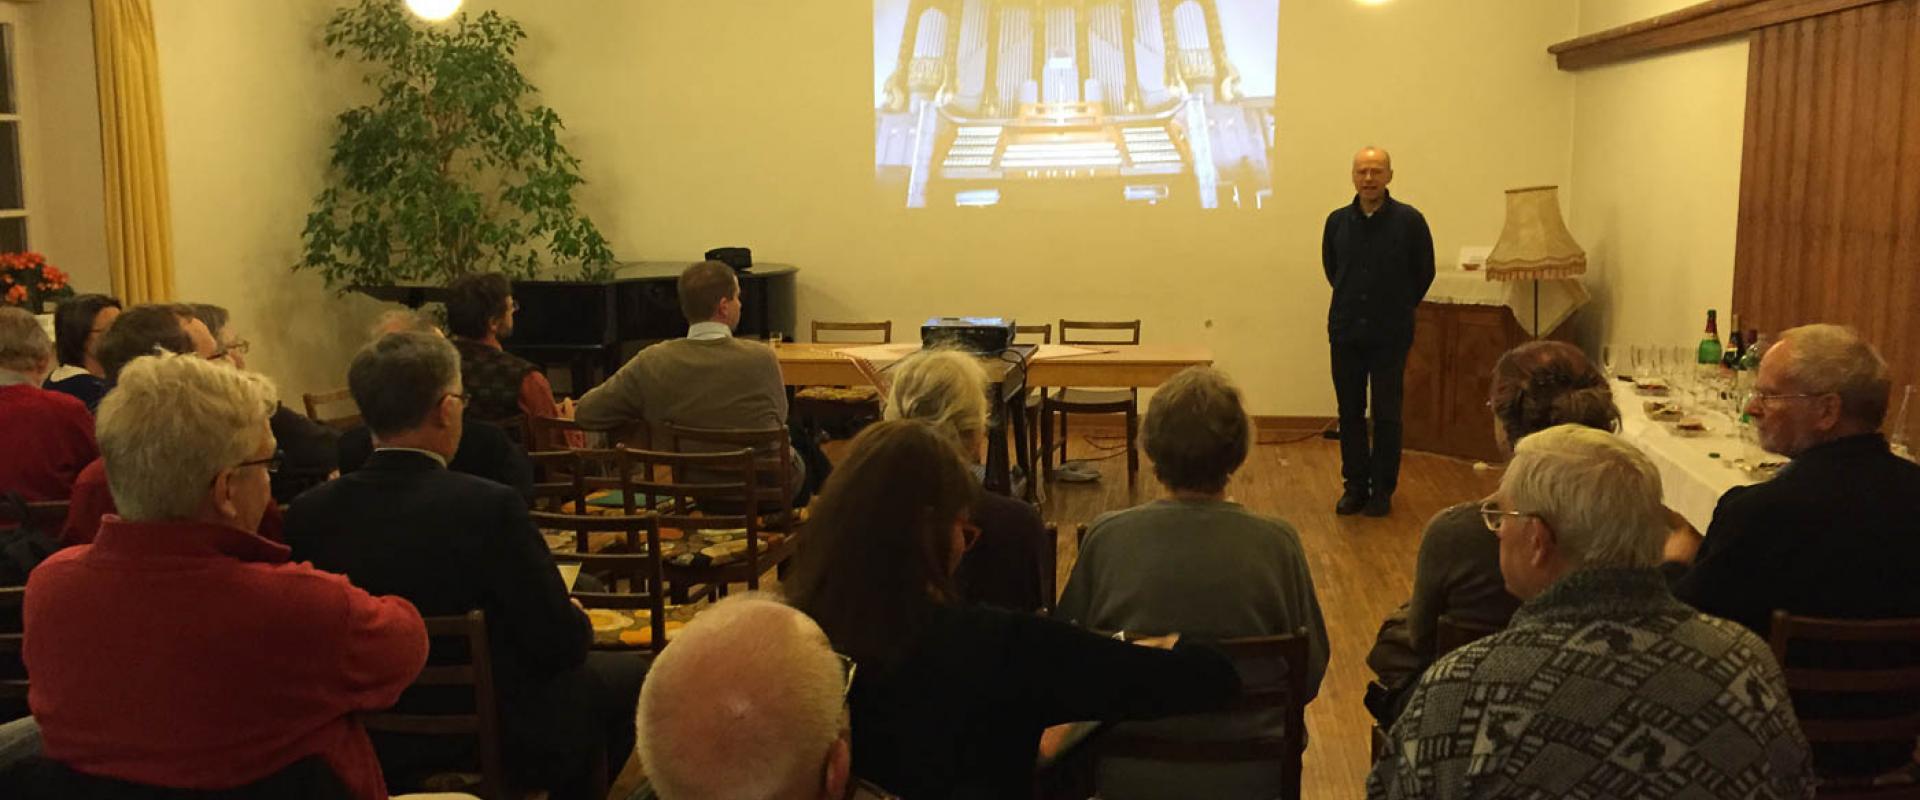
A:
x: 433, y: 10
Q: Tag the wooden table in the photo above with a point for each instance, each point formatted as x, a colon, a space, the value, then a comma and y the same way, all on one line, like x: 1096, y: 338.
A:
x: 1142, y: 366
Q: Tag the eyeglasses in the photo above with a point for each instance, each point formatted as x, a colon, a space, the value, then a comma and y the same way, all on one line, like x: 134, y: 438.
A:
x: 272, y: 462
x: 240, y: 346
x: 463, y: 397
x: 1492, y: 515
x: 1768, y: 397
x: 849, y: 666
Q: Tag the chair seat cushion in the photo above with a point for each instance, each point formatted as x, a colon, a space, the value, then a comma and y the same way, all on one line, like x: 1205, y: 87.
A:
x: 1092, y: 396
x: 839, y: 394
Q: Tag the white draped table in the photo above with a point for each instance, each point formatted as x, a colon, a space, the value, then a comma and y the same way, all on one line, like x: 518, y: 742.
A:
x: 1694, y: 470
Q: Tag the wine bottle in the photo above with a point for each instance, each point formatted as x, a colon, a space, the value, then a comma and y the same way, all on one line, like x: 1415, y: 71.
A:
x: 1709, y: 350
x: 1736, y: 347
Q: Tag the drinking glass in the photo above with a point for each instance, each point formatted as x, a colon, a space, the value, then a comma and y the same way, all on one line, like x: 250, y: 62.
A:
x: 1902, y: 444
x: 1642, y: 359
x: 775, y: 338
x: 1608, y: 354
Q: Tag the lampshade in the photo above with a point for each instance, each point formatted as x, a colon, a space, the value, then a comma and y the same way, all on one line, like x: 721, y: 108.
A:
x: 1535, y: 244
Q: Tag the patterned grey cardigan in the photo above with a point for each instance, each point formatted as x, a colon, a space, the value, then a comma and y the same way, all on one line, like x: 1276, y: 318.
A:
x: 1604, y: 686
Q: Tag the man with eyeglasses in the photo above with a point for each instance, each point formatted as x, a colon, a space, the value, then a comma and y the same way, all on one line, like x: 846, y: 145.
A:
x: 1837, y: 532
x: 143, y: 330
x: 450, y: 542
x: 180, y: 650
x: 749, y: 702
x: 1603, y: 684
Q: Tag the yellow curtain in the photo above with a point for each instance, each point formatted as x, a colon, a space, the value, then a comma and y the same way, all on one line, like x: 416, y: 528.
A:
x: 134, y: 145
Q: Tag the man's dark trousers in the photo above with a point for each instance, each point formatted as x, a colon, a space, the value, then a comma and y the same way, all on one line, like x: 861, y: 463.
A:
x: 1370, y: 468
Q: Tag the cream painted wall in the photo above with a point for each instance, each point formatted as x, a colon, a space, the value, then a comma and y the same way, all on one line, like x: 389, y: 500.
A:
x: 747, y: 122
x: 250, y: 96
x: 1656, y: 183
x: 62, y: 109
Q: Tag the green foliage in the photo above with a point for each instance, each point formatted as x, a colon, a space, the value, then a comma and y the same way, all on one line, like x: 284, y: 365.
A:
x: 453, y: 168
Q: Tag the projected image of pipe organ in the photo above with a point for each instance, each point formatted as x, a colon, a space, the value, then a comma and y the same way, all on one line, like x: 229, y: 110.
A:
x: 1051, y: 102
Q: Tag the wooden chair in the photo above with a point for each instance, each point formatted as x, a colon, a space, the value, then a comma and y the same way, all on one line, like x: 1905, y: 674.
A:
x: 334, y: 409
x: 698, y: 492
x: 1273, y: 674
x: 1092, y: 401
x: 638, y: 562
x: 1896, y: 680
x: 822, y: 404
x: 483, y: 723
x: 557, y: 481
x: 1027, y: 438
x: 773, y: 457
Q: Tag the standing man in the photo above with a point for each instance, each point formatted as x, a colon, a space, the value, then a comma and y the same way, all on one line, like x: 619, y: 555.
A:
x: 1378, y: 256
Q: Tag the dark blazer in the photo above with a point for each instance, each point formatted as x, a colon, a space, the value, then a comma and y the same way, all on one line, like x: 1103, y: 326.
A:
x: 485, y: 451
x: 310, y: 453
x: 450, y: 543
x: 1835, y: 534
x: 1379, y: 267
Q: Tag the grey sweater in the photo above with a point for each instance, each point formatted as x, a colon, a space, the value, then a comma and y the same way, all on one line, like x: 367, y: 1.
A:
x: 1209, y: 571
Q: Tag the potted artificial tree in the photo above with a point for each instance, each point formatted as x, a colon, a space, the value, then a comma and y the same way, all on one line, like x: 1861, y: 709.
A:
x: 452, y: 168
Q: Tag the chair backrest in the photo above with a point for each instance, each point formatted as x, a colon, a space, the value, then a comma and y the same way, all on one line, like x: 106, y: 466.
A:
x: 12, y: 601
x: 1045, y: 330
x: 1088, y: 332
x: 773, y: 454
x: 334, y: 409
x: 1450, y: 633
x: 552, y: 433
x: 1893, y: 677
x: 885, y: 329
x: 638, y: 563
x: 558, y: 480
x: 45, y: 516
x: 1273, y: 674
x: 483, y: 723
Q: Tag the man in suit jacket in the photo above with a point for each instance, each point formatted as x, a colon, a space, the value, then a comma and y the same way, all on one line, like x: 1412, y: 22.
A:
x: 1837, y: 532
x: 452, y: 542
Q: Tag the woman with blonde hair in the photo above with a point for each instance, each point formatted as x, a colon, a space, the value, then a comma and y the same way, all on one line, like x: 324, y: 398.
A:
x: 948, y: 390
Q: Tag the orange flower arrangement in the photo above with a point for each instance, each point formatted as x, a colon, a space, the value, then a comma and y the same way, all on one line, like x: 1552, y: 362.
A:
x: 30, y: 282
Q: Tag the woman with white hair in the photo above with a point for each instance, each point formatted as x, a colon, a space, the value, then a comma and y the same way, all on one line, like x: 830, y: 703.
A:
x: 180, y: 649
x: 948, y: 389
x: 1603, y: 684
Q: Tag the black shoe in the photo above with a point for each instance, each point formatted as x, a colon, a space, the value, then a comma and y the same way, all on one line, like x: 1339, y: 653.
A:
x: 1379, y: 505
x: 1351, y: 502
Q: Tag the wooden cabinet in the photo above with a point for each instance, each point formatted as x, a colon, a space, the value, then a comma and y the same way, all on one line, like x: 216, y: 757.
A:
x: 1449, y: 374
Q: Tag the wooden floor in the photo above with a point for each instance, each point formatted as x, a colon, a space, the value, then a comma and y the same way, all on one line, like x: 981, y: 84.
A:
x: 1362, y: 567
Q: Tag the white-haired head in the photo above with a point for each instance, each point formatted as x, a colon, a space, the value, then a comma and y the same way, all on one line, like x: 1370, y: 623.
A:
x: 749, y: 703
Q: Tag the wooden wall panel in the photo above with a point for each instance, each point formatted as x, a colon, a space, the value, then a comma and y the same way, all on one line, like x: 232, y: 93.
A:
x: 1829, y: 222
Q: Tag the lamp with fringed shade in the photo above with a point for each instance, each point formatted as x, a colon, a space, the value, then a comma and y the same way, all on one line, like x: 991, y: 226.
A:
x: 1535, y: 244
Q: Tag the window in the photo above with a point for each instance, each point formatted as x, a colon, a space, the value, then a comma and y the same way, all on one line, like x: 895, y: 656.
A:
x: 13, y: 198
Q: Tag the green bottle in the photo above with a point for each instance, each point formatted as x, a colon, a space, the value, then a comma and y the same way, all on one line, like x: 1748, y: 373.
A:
x: 1709, y: 353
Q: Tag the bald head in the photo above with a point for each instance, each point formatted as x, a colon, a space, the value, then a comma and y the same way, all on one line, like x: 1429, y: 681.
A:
x: 748, y: 704
x: 1372, y: 171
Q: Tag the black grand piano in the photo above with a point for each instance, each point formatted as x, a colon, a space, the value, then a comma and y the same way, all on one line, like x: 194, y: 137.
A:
x: 592, y: 327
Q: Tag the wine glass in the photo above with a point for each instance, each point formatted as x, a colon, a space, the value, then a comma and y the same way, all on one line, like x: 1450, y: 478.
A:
x: 1608, y: 356
x: 1901, y: 443
x: 1642, y: 359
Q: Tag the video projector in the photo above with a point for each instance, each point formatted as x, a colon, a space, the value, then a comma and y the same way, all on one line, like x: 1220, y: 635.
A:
x: 986, y: 335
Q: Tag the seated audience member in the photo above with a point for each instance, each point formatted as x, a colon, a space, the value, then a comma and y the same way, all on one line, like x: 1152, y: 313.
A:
x: 480, y: 310
x: 948, y: 389
x: 1837, y: 532
x: 1535, y: 386
x: 143, y: 330
x: 485, y: 449
x: 1200, y: 564
x: 707, y: 380
x: 404, y: 524
x: 78, y: 325
x: 48, y: 436
x: 1602, y: 685
x: 181, y: 650
x: 950, y: 699
x: 308, y: 454
x: 749, y: 702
